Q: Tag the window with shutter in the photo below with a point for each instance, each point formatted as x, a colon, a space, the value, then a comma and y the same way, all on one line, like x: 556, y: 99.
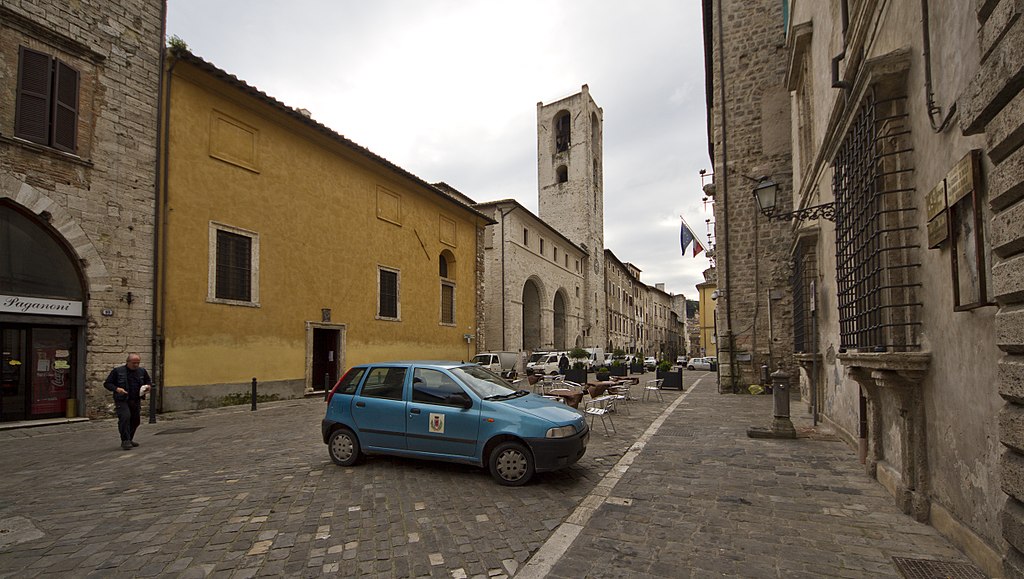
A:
x: 234, y: 266
x: 33, y: 108
x: 65, y: 107
x: 234, y: 256
x: 47, y: 106
x: 387, y: 295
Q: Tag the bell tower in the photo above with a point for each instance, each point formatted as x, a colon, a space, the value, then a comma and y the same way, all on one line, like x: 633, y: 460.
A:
x: 570, y: 168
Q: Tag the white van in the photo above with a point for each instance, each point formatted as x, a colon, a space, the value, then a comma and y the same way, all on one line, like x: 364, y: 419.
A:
x: 546, y: 364
x: 501, y: 363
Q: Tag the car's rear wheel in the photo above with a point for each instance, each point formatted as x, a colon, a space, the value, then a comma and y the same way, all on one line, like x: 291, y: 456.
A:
x: 689, y: 367
x: 511, y: 464
x: 343, y: 446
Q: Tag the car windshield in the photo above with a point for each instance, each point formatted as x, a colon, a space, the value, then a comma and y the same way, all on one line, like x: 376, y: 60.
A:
x: 483, y: 382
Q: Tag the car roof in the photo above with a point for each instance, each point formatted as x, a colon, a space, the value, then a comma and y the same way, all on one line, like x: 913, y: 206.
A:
x: 438, y: 363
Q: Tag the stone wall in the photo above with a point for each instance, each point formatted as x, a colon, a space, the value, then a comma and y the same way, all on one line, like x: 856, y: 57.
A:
x: 754, y: 141
x: 99, y: 200
x: 993, y: 105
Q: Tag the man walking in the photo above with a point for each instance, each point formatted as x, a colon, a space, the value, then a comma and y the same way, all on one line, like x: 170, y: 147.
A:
x: 129, y: 383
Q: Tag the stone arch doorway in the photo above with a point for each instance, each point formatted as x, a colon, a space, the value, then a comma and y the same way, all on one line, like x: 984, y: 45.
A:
x: 559, y: 320
x: 531, y: 316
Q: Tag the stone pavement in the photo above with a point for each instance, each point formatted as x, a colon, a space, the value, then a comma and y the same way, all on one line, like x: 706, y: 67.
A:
x: 677, y: 491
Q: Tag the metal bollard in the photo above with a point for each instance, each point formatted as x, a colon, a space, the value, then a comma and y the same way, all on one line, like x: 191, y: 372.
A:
x: 253, y: 394
x: 327, y: 384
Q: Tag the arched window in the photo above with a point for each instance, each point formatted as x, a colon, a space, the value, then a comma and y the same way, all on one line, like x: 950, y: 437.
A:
x: 32, y: 261
x: 561, y: 174
x: 562, y: 130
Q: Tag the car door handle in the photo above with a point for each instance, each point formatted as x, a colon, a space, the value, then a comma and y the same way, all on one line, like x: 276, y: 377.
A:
x: 360, y: 404
x: 414, y: 411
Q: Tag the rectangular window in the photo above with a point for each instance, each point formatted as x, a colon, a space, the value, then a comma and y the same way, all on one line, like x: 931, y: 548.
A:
x: 566, y: 260
x: 526, y: 237
x: 876, y: 246
x: 554, y: 254
x: 47, y: 105
x: 542, y: 246
x: 234, y: 266
x: 447, y: 303
x: 388, y: 307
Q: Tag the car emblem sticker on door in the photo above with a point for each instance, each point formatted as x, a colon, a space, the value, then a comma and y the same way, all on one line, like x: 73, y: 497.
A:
x: 437, y: 423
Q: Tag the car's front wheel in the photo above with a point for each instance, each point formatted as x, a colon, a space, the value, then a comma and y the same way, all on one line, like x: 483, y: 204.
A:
x: 511, y: 464
x: 689, y: 367
x: 343, y: 446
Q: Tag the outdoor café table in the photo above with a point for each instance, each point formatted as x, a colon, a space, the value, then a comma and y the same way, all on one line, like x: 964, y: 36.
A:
x: 571, y: 397
x: 596, y: 389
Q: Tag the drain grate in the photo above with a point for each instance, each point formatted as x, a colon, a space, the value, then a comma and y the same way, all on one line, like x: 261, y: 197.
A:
x: 180, y: 430
x: 931, y: 569
x: 678, y: 431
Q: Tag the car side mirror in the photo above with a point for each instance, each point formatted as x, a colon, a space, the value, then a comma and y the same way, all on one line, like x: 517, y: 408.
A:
x: 460, y: 399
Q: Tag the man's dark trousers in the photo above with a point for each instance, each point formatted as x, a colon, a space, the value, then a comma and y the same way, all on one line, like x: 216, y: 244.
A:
x: 129, y: 416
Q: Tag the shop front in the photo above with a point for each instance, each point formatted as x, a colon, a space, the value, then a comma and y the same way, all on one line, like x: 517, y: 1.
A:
x: 42, y: 327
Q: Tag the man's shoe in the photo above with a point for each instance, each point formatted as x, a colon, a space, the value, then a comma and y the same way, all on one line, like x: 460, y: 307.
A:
x: 133, y: 443
x: 126, y: 445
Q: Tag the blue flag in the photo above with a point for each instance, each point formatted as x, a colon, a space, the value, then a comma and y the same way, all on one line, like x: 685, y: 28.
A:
x: 685, y: 236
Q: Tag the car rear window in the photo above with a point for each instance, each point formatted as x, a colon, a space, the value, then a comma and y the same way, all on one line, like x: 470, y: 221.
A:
x: 384, y: 382
x: 350, y: 381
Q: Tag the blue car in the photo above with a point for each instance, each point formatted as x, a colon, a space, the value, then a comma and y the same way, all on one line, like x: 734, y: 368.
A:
x: 453, y: 412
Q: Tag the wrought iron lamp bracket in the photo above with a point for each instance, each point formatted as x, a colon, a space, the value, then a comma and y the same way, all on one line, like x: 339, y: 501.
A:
x: 824, y: 211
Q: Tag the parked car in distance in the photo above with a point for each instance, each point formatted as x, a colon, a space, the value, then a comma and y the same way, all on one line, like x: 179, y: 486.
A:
x: 682, y: 361
x: 699, y: 364
x: 501, y: 363
x: 452, y: 412
x: 650, y: 363
x: 546, y: 364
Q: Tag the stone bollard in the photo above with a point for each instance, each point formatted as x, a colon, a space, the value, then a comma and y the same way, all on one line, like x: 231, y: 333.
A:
x: 782, y: 426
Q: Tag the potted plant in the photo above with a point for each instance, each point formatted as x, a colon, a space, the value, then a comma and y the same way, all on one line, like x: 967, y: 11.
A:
x: 669, y: 378
x: 663, y: 368
x: 578, y: 372
x: 603, y: 374
x: 618, y: 368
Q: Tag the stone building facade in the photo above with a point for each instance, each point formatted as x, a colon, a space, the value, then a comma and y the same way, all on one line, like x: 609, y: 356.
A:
x: 570, y: 175
x: 749, y: 141
x: 906, y: 123
x: 534, y: 283
x: 621, y: 304
x: 79, y: 87
x: 992, y: 107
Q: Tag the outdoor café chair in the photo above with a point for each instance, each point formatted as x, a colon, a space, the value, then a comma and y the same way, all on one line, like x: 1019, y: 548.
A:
x: 655, y: 387
x: 602, y: 408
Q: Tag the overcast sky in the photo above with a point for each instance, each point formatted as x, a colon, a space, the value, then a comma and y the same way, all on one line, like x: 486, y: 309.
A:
x: 448, y: 90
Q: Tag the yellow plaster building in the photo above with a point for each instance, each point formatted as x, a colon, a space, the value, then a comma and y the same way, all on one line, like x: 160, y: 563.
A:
x: 289, y: 253
x: 708, y: 343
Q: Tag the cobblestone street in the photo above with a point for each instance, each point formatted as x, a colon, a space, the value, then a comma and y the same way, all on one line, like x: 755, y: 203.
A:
x: 235, y: 493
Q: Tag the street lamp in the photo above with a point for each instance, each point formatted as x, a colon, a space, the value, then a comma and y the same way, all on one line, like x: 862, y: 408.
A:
x: 766, y: 193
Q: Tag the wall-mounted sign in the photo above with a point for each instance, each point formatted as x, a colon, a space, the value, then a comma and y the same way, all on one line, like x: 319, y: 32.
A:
x: 107, y: 312
x: 960, y: 179
x: 938, y: 230
x: 935, y: 201
x: 39, y: 306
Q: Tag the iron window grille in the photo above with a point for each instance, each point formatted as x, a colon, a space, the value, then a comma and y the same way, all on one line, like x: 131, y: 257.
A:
x: 877, y: 261
x: 387, y: 307
x: 234, y: 266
